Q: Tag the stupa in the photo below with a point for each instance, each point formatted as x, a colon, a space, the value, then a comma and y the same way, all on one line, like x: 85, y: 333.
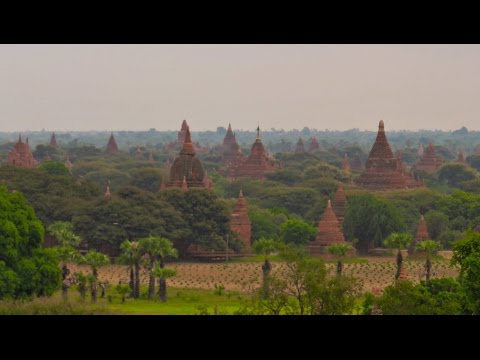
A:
x: 240, y: 223
x: 429, y: 162
x: 300, y: 148
x: 21, y: 155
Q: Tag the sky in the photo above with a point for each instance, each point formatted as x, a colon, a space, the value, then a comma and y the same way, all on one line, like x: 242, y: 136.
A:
x: 335, y: 87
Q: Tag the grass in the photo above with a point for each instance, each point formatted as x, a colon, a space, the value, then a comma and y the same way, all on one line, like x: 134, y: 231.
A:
x: 257, y: 259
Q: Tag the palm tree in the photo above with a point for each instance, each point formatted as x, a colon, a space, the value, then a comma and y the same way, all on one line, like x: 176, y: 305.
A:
x: 166, y: 250
x: 430, y: 247
x: 398, y: 241
x: 156, y: 248
x: 66, y: 251
x: 95, y: 260
x: 339, y: 251
x: 132, y: 257
x: 163, y: 274
x: 265, y: 247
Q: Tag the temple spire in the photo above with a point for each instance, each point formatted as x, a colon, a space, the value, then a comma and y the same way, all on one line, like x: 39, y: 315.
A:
x: 53, y: 141
x: 184, y: 184
x: 187, y: 144
x: 107, y: 191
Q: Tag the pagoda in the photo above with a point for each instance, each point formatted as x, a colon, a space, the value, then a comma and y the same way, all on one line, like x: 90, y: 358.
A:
x: 231, y: 152
x: 339, y: 204
x: 328, y: 233
x: 139, y: 154
x: 68, y: 163
x: 53, y: 142
x: 314, y: 145
x: 240, y: 223
x: 255, y: 166
x: 422, y: 231
x: 356, y: 164
x: 346, y: 163
x: 300, y: 148
x: 187, y: 170
x: 461, y: 158
x: 181, y: 136
x: 383, y: 171
x: 21, y: 155
x: 112, y: 147
x: 429, y: 162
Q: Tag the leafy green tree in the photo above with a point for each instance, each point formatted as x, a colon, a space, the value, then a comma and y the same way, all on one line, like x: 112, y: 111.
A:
x: 430, y: 247
x: 55, y: 168
x: 398, y: 241
x: 467, y: 255
x: 163, y: 274
x: 370, y: 220
x: 95, y: 260
x: 339, y: 251
x: 132, y: 256
x: 437, y: 222
x: 455, y: 173
x: 264, y: 223
x: 297, y: 231
x: 265, y: 247
x: 123, y: 290
x: 147, y: 179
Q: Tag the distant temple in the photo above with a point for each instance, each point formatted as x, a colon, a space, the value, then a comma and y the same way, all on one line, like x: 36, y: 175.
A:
x: 231, y: 152
x: 112, y: 147
x: 139, y: 154
x: 356, y: 164
x: 300, y: 148
x: 21, y: 155
x: 421, y: 150
x: 421, y: 234
x: 429, y: 162
x: 461, y: 158
x: 339, y: 204
x: 53, y: 142
x: 346, y: 163
x: 314, y: 145
x: 181, y: 136
x: 255, y: 166
x: 187, y: 170
x: 383, y: 170
x: 240, y: 223
x: 328, y: 233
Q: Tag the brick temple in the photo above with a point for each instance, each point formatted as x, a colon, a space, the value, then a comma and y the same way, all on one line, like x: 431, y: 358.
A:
x: 383, y: 169
x: 356, y: 163
x: 300, y: 147
x: 429, y: 162
x: 112, y: 147
x: 255, y: 166
x: 339, y: 204
x: 461, y: 158
x: 314, y: 145
x: 421, y: 235
x: 21, y: 155
x: 231, y: 151
x: 53, y: 142
x: 240, y: 223
x: 328, y: 233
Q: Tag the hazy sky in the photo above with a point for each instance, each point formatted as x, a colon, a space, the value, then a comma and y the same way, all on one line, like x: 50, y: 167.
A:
x: 137, y: 87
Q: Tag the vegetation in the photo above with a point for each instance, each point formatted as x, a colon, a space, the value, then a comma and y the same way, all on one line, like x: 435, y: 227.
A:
x: 398, y: 241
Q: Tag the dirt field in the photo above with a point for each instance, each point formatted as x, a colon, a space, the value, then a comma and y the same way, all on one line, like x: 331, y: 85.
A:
x: 376, y: 273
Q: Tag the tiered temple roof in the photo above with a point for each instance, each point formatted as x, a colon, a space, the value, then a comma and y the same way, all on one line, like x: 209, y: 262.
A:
x: 240, y: 223
x: 328, y: 233
x: 231, y: 150
x: 53, y: 142
x: 256, y: 165
x: 21, y: 155
x: 339, y: 204
x: 300, y: 148
x: 383, y: 171
x: 112, y: 147
x: 429, y: 162
x: 422, y: 231
x: 186, y: 170
x: 314, y: 145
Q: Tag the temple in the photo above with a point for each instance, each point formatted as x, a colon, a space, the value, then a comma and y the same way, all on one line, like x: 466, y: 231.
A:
x: 112, y: 147
x: 421, y: 235
x: 461, y: 158
x: 186, y: 171
x: 429, y: 162
x: 21, y: 155
x: 356, y: 164
x: 328, y: 233
x: 339, y: 204
x: 53, y: 142
x: 383, y: 170
x: 346, y: 163
x: 255, y: 166
x: 139, y: 154
x: 240, y: 223
x: 314, y: 145
x: 181, y: 136
x: 421, y: 150
x: 300, y: 148
x: 231, y: 152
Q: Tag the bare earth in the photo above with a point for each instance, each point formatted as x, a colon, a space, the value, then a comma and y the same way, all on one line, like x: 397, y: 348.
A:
x: 243, y: 277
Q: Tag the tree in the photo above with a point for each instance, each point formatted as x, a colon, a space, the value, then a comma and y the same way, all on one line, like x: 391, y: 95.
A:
x: 429, y: 247
x: 265, y: 247
x: 95, y: 260
x: 398, y: 241
x: 339, y: 251
x: 437, y: 222
x: 455, y: 173
x: 370, y: 220
x: 67, y: 251
x: 132, y: 256
x: 25, y: 268
x: 467, y: 255
x: 123, y: 290
x: 55, y: 168
x: 157, y: 248
x: 163, y: 274
x: 297, y: 231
